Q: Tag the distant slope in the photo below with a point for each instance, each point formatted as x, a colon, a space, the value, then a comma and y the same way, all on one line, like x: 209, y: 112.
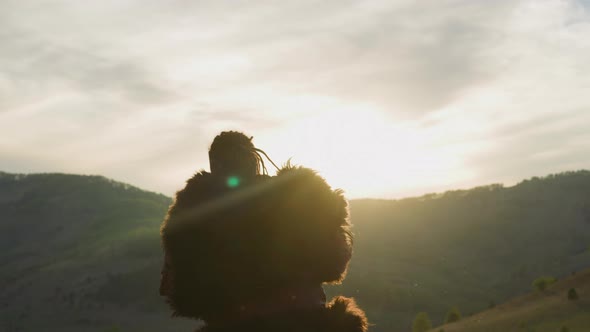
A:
x: 71, y: 209
x: 546, y: 311
x: 63, y: 238
x: 81, y: 253
x: 466, y: 248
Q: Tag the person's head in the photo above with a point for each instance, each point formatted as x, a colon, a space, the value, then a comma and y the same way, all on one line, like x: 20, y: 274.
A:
x: 233, y: 154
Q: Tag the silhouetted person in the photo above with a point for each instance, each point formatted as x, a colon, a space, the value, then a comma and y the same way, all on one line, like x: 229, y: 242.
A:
x: 249, y: 252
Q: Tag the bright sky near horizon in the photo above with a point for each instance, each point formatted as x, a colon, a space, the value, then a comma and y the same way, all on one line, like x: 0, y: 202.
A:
x: 384, y: 98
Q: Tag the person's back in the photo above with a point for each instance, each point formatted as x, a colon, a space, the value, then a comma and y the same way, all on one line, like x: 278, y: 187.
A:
x: 249, y: 252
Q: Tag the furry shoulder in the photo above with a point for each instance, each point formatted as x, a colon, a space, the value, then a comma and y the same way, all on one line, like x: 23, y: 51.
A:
x: 307, y: 192
x: 345, y: 315
x: 196, y: 188
x: 303, y: 176
x: 206, y: 195
x: 199, y: 189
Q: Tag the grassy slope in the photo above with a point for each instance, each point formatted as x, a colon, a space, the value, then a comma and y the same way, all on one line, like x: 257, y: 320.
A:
x: 546, y: 311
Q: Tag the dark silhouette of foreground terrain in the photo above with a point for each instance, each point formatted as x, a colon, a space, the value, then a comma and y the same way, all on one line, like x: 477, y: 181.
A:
x: 81, y: 253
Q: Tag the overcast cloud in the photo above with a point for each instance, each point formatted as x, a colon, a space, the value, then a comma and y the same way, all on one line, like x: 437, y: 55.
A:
x: 476, y: 91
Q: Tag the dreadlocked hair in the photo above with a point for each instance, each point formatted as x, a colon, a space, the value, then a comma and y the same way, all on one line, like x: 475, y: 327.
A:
x: 233, y: 153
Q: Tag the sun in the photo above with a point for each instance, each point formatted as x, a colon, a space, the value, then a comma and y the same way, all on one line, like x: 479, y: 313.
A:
x: 354, y: 150
x: 363, y: 151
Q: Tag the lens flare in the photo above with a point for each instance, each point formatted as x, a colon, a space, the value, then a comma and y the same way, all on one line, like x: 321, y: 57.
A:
x: 233, y: 181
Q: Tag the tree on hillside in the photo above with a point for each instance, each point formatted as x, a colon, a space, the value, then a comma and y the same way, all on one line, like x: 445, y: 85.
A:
x: 453, y: 315
x: 421, y: 323
x: 541, y: 283
x: 572, y: 295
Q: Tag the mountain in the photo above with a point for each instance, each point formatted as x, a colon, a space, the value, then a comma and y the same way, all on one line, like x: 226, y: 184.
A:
x: 82, y: 253
x: 466, y: 248
x: 553, y: 309
x: 63, y: 238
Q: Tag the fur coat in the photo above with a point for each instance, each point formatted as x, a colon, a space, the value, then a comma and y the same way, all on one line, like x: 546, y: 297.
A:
x: 230, y: 243
x: 341, y: 315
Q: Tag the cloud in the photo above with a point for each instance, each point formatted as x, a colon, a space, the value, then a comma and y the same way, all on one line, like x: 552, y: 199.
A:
x: 134, y: 87
x: 31, y: 65
x: 412, y: 59
x: 549, y: 144
x: 409, y: 58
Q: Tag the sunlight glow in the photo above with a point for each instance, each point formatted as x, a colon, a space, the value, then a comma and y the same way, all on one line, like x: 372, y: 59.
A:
x: 362, y: 150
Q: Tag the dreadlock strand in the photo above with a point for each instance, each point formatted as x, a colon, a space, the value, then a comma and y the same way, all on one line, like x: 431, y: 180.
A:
x: 267, y: 157
x: 258, y: 168
x: 261, y: 162
x: 264, y: 170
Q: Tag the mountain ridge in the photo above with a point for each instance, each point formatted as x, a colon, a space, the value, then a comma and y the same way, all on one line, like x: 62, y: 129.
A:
x: 427, y: 195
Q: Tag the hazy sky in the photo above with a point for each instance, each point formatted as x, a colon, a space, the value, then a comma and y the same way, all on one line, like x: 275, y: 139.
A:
x: 384, y: 98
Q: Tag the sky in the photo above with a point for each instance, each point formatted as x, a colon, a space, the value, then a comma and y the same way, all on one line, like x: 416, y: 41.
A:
x: 385, y: 99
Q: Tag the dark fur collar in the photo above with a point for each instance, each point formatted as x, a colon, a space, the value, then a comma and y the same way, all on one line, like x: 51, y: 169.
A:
x: 340, y: 315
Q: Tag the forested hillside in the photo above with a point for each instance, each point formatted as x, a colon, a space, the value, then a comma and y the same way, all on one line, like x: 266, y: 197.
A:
x: 81, y: 253
x: 466, y: 248
x: 63, y: 238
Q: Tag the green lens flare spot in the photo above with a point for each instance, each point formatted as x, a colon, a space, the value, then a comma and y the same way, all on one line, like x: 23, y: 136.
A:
x: 233, y: 181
